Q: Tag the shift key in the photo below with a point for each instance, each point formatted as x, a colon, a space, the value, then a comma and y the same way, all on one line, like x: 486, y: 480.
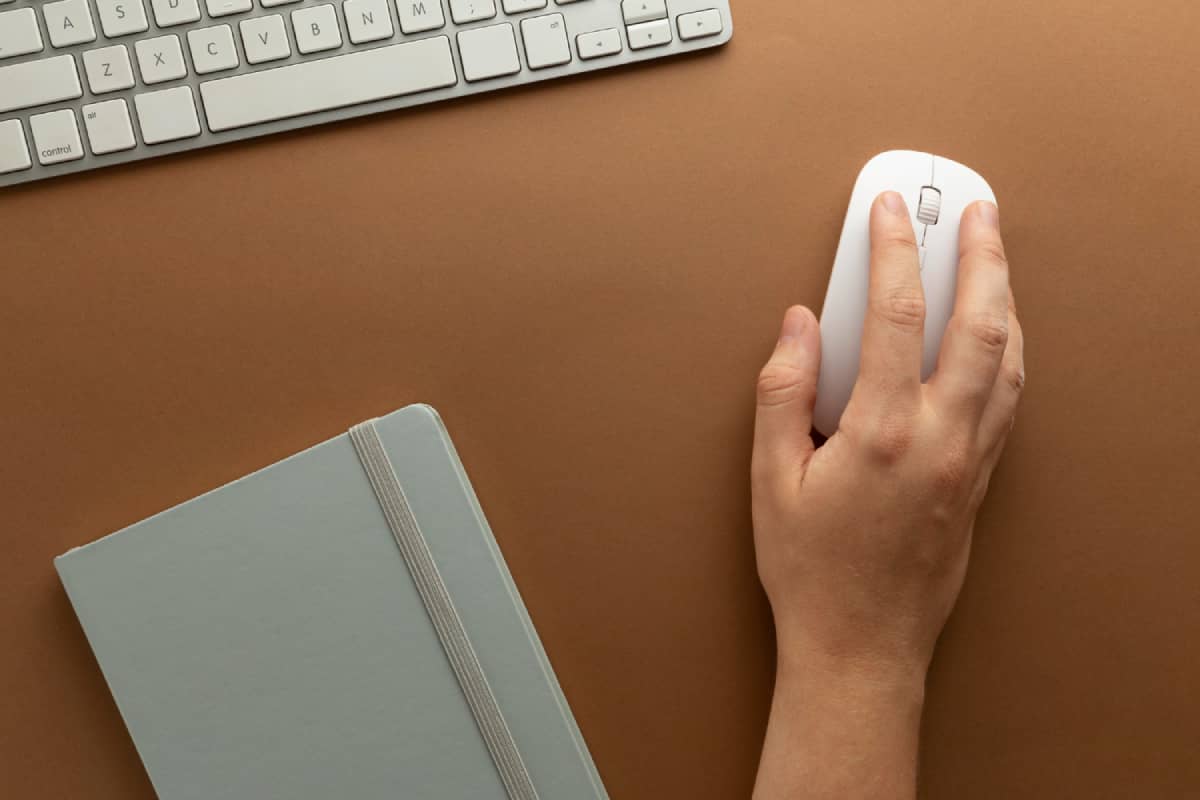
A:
x: 37, y: 83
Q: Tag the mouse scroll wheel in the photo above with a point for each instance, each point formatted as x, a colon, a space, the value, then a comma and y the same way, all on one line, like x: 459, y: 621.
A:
x: 930, y: 206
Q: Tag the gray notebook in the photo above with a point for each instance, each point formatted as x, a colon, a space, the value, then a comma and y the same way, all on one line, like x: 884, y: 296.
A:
x: 271, y: 639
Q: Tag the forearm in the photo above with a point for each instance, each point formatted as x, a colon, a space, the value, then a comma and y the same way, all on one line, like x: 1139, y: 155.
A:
x: 838, y: 732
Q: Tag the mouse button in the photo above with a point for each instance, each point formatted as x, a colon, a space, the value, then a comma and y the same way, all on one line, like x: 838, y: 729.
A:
x: 929, y: 206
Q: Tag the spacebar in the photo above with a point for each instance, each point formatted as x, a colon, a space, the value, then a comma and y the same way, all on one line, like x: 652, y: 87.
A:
x: 330, y: 83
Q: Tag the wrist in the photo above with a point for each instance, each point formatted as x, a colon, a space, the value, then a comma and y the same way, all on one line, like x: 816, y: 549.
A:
x: 892, y: 674
x: 890, y: 691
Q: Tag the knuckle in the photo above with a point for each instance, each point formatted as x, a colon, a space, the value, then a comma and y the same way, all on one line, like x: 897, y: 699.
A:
x: 1014, y: 378
x: 990, y: 330
x: 899, y: 237
x: 889, y: 441
x: 779, y: 384
x: 903, y: 308
x: 991, y: 252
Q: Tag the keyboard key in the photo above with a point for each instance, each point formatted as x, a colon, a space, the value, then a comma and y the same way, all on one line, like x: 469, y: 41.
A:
x: 488, y: 52
x: 223, y: 8
x: 122, y: 17
x: 598, y: 43
x: 699, y: 24
x: 160, y: 59
x: 108, y: 69
x: 417, y: 16
x: 316, y: 29
x: 69, y: 22
x: 347, y: 80
x: 36, y: 83
x: 19, y: 33
x: 14, y: 153
x: 168, y: 13
x: 56, y: 137
x: 636, y: 11
x: 108, y: 127
x: 471, y: 10
x: 213, y: 49
x: 546, y: 42
x: 517, y: 6
x: 368, y: 20
x: 649, y: 34
x: 265, y: 39
x: 273, y: 3
x: 167, y: 115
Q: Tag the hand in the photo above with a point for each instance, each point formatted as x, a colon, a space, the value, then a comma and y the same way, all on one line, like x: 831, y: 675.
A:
x: 862, y: 545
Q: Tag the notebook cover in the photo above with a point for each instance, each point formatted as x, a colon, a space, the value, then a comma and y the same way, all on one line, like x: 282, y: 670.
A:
x: 266, y: 640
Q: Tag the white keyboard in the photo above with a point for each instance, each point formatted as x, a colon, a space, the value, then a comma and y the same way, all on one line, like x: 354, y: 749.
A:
x: 89, y: 83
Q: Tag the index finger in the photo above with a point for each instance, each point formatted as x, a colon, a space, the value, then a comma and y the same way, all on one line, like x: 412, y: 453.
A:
x: 894, y: 327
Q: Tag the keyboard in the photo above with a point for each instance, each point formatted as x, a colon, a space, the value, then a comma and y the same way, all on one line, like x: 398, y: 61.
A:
x: 89, y: 83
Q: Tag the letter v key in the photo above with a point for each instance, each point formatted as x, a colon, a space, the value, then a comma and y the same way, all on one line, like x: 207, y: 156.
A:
x: 265, y: 39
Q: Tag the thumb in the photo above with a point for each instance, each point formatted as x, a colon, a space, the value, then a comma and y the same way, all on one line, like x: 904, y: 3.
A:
x: 787, y: 390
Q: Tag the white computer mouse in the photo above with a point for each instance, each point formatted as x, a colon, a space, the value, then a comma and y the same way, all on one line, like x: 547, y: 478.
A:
x: 937, y: 190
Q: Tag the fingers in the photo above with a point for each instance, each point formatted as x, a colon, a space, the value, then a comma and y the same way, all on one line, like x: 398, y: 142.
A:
x: 894, y: 328
x: 1001, y: 409
x: 787, y: 389
x: 978, y: 333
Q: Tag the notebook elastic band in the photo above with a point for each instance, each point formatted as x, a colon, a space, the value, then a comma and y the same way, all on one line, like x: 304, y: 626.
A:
x: 449, y: 626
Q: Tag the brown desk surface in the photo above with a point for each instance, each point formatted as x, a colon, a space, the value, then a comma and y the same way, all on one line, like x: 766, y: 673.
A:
x: 584, y: 279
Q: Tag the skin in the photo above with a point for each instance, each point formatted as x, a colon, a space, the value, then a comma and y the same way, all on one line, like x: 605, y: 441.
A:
x: 862, y: 544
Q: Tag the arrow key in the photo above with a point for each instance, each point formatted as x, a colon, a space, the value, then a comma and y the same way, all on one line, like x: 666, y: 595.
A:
x: 699, y: 24
x: 649, y: 34
x: 598, y: 43
x: 636, y: 11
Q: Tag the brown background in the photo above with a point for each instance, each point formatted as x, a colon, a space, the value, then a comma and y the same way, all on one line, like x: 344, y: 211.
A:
x: 584, y: 278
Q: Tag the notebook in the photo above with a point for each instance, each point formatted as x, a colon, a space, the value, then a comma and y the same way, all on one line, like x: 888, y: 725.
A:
x: 340, y: 624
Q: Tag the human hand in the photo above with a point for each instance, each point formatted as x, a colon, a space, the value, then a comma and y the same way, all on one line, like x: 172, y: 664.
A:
x: 862, y: 544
